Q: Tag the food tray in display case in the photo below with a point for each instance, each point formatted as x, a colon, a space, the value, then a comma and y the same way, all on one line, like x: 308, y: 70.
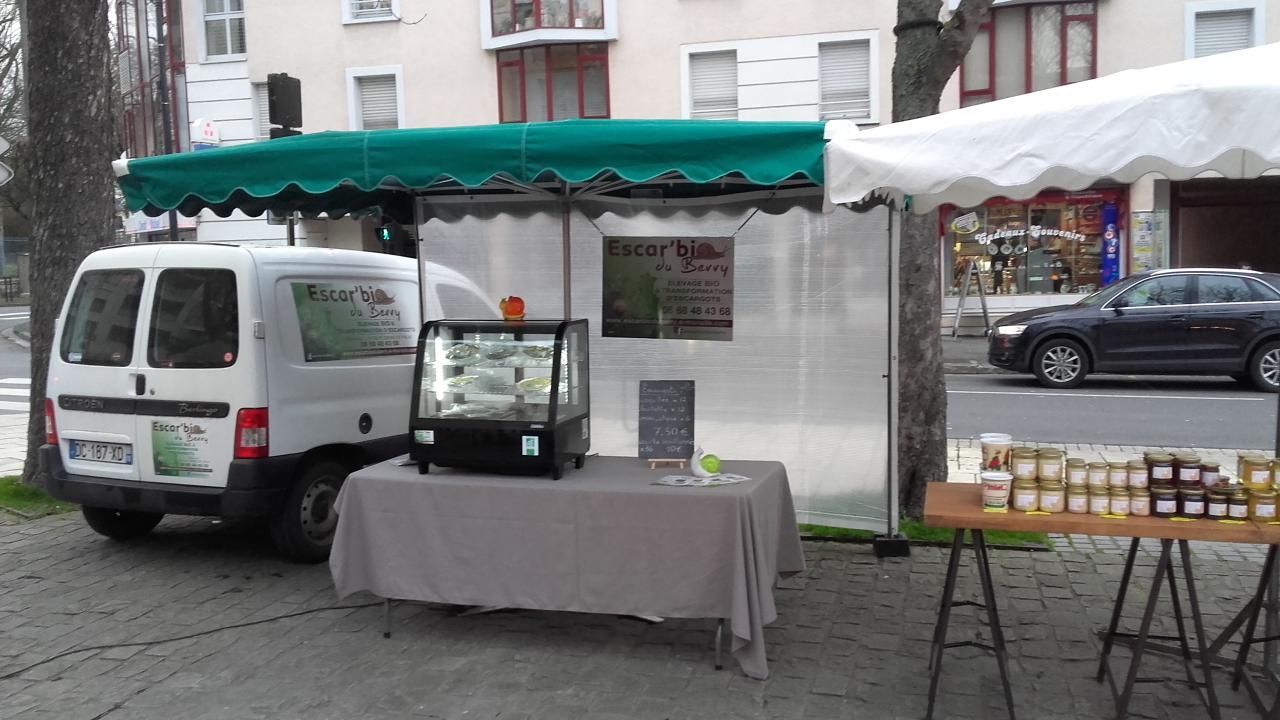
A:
x: 501, y: 396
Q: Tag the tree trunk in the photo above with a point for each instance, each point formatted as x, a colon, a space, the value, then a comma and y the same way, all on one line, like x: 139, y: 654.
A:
x: 68, y: 63
x: 926, y: 55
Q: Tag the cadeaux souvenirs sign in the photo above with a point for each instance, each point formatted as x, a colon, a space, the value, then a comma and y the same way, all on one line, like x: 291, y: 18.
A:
x: 672, y: 288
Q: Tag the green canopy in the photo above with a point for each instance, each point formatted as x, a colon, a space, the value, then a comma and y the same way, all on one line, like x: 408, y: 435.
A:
x: 341, y: 172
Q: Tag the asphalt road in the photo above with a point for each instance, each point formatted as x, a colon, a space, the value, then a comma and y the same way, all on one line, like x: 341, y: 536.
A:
x: 15, y: 364
x: 1119, y: 410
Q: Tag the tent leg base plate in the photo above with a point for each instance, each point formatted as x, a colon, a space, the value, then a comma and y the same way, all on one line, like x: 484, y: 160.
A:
x: 891, y: 546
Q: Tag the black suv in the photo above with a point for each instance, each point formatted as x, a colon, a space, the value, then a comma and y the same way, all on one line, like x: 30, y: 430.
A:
x: 1178, y: 322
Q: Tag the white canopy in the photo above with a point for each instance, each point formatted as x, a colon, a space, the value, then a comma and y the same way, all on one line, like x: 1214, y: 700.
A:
x: 1220, y: 113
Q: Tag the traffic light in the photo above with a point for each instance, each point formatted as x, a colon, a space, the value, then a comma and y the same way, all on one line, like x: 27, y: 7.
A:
x: 384, y: 234
x: 284, y: 105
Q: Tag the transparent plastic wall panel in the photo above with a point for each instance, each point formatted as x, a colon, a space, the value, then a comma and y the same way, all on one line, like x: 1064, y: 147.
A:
x: 804, y: 380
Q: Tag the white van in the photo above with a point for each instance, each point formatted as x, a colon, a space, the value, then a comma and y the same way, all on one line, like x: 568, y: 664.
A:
x: 237, y: 381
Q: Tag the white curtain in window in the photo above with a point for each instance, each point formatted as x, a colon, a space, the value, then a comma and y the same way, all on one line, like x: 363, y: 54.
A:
x: 1219, y: 32
x: 379, y: 106
x: 595, y: 90
x: 370, y: 9
x: 261, y: 116
x: 844, y: 77
x: 1011, y: 49
x: 713, y: 85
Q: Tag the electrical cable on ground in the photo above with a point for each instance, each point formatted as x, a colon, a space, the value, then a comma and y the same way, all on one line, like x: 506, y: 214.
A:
x: 202, y: 633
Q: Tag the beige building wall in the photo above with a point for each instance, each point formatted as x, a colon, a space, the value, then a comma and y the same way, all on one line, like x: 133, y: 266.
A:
x: 450, y: 80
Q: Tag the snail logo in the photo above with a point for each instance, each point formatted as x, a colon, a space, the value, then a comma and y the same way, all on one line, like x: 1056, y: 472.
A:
x: 707, y: 251
x: 196, y: 430
x: 380, y: 297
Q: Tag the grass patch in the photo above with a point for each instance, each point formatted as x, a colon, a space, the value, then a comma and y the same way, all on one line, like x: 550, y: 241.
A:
x: 916, y: 530
x: 28, y: 501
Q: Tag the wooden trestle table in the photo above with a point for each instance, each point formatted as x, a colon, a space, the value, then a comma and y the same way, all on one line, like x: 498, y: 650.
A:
x: 959, y: 506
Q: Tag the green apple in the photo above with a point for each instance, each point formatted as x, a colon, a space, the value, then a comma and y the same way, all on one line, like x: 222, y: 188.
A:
x: 710, y: 463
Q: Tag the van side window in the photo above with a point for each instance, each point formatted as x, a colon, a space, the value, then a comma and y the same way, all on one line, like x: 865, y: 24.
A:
x: 195, y: 322
x: 102, y: 318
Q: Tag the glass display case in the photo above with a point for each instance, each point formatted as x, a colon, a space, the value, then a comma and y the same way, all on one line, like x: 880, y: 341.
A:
x: 501, y: 396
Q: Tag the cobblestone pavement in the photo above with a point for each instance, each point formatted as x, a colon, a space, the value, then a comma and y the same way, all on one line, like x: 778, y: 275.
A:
x: 851, y: 641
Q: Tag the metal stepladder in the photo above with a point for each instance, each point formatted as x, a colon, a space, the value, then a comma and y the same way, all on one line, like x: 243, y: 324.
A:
x: 971, y: 274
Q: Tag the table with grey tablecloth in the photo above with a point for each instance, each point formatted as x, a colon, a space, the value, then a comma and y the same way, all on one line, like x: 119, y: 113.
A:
x: 604, y: 539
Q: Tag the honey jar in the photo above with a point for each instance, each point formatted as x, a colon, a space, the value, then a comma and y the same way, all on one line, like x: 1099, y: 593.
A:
x: 1188, y: 470
x: 1119, y: 501
x: 1262, y: 505
x: 1137, y: 474
x: 1139, y: 502
x: 1077, y: 500
x: 1026, y: 495
x: 1097, y: 476
x: 1049, y: 464
x: 1053, y: 496
x: 1118, y: 474
x: 1077, y: 473
x: 1257, y: 473
x: 1025, y: 466
x: 1100, y: 503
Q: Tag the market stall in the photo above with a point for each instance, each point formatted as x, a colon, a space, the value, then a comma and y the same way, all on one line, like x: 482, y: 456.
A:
x: 1214, y: 115
x: 796, y: 362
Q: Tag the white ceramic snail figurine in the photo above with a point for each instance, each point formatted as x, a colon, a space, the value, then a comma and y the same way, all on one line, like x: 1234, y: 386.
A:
x: 704, y: 464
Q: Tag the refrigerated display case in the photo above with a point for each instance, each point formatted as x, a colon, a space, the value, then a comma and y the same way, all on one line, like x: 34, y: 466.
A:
x: 502, y: 396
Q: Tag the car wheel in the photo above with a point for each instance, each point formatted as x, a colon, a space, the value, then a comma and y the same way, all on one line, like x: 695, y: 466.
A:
x: 1264, y: 367
x: 120, y: 524
x: 1060, y: 363
x: 303, y: 530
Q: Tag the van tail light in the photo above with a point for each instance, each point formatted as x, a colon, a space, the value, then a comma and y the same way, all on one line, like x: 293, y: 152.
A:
x: 50, y: 424
x: 251, y: 433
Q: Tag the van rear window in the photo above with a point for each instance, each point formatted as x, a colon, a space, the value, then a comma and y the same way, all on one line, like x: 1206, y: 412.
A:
x: 102, y: 318
x: 195, y: 321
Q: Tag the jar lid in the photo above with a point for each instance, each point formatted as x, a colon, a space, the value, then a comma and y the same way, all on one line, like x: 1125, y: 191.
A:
x: 1210, y: 466
x: 1256, y: 460
x: 1023, y: 452
x: 1138, y: 492
x: 1026, y: 484
x: 1192, y: 491
x: 1119, y: 464
x: 1187, y: 457
x: 1164, y: 490
x: 1078, y: 490
x: 1266, y: 493
x: 1050, y: 452
x: 1073, y: 462
x: 1160, y: 457
x: 1240, y: 494
x: 1120, y: 491
x: 1137, y: 465
x: 1220, y: 495
x: 1097, y: 465
x: 1052, y: 485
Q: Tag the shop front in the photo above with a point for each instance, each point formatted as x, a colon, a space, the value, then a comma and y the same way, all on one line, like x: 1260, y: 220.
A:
x: 1226, y: 223
x: 1032, y: 253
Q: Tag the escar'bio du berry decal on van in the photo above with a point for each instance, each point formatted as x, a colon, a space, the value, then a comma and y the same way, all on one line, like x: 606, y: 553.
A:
x: 180, y: 449
x: 339, y: 321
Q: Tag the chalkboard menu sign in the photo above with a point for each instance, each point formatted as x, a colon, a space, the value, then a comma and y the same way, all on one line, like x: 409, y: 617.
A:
x: 666, y: 419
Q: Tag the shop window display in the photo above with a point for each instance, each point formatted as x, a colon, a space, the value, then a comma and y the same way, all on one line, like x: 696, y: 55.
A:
x: 1053, y: 244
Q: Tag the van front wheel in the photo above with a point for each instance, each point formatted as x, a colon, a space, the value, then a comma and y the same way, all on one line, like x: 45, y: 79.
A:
x: 303, y: 531
x: 120, y: 524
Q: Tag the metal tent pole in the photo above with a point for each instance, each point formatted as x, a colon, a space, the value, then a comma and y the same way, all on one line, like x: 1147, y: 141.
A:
x: 566, y: 213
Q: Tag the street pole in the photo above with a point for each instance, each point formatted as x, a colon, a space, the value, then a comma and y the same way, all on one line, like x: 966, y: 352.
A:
x: 166, y: 122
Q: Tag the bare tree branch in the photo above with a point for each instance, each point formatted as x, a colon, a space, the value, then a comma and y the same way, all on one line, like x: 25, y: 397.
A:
x: 957, y: 33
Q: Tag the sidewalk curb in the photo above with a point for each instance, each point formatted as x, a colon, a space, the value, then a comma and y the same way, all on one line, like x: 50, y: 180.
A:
x: 12, y: 335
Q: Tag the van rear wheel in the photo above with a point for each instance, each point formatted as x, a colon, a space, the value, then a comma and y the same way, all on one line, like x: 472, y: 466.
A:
x: 303, y: 531
x: 120, y: 524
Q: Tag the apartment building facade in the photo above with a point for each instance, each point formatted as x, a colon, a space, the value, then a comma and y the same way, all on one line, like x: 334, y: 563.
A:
x: 373, y: 64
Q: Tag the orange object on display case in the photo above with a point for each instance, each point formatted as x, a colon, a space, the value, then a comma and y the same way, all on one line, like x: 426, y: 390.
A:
x: 512, y: 308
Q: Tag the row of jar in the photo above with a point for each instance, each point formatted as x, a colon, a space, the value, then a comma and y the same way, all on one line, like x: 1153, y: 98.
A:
x: 1222, y: 503
x: 1155, y: 470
